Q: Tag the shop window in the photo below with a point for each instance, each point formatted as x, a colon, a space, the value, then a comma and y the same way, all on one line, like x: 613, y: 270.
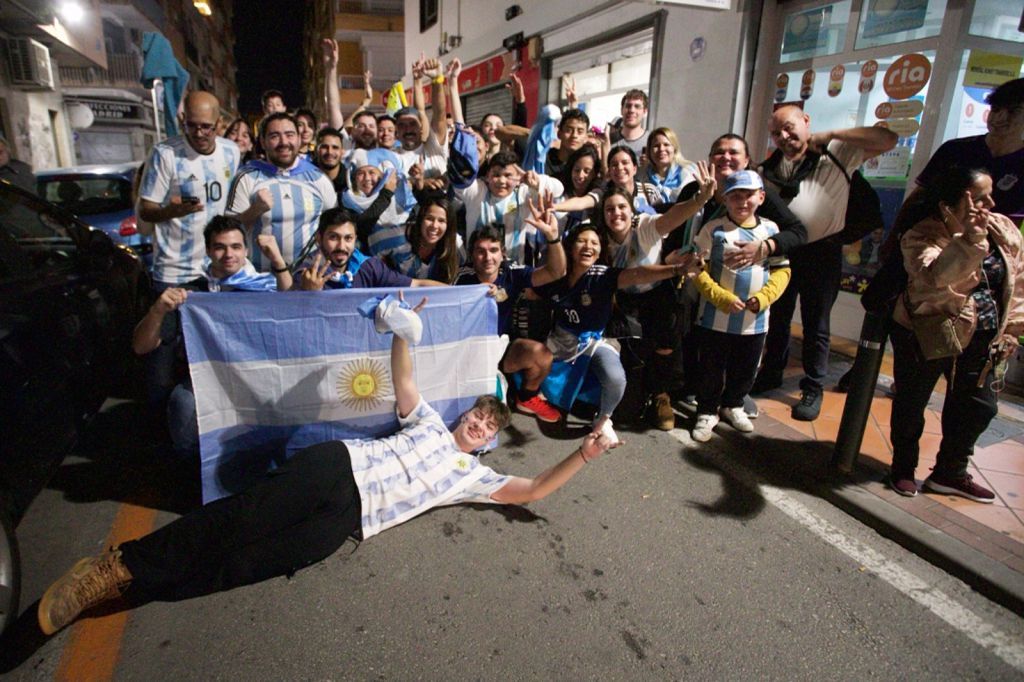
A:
x: 998, y: 19
x: 884, y: 22
x: 428, y: 14
x: 600, y: 88
x: 815, y: 32
x: 980, y: 73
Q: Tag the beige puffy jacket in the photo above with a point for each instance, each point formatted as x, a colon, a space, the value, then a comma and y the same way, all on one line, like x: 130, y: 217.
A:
x: 943, y: 268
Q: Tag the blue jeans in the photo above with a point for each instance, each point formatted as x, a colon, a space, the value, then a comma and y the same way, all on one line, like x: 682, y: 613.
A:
x: 607, y: 367
x: 181, y: 420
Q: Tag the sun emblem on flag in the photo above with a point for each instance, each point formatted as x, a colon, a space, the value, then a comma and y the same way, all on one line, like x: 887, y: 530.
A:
x: 361, y: 383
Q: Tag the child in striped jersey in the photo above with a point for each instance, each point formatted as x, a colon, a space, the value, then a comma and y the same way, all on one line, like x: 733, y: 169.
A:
x: 733, y: 315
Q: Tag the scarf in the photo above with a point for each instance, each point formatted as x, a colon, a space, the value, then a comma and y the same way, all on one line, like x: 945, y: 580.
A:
x: 246, y: 279
x: 788, y: 187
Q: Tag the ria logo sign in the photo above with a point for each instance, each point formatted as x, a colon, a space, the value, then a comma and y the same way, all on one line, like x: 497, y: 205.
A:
x: 907, y: 76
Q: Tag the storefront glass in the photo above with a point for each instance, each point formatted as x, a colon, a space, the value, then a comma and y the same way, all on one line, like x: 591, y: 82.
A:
x: 815, y: 32
x: 999, y: 19
x: 885, y: 22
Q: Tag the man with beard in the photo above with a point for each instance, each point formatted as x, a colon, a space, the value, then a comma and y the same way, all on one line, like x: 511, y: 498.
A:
x: 338, y: 264
x: 284, y: 195
x: 430, y: 151
x: 329, y: 151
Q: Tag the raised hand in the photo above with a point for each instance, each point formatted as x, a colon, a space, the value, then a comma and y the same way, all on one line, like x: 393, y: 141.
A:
x: 542, y: 216
x: 367, y: 85
x: 315, y: 276
x: 569, y: 85
x: 706, y: 182
x: 170, y: 300
x: 269, y: 248
x: 263, y: 202
x: 515, y: 84
x: 454, y: 69
x: 329, y: 48
x: 432, y: 68
x: 419, y: 306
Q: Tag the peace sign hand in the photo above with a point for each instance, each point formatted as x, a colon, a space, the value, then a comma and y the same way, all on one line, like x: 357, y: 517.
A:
x: 315, y: 276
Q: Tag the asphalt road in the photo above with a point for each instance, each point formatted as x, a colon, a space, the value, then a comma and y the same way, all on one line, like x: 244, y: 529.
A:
x: 661, y: 560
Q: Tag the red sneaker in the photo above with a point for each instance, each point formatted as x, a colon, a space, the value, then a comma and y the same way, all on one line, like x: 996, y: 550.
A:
x: 539, y: 408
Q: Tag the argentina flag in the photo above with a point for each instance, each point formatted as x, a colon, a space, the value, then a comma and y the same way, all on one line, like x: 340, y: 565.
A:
x: 274, y: 373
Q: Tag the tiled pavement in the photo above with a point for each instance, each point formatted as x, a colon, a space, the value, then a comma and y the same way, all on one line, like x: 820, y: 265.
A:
x: 995, y: 530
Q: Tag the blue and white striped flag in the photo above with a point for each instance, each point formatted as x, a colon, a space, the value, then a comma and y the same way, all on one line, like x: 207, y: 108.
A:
x: 273, y: 373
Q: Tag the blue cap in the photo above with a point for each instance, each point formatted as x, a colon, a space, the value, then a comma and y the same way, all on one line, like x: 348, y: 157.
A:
x: 744, y: 179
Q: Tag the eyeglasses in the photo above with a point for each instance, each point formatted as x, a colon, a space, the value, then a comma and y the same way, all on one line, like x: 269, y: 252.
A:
x: 200, y: 127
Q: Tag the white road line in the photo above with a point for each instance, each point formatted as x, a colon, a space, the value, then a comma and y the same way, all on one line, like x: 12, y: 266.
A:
x: 938, y: 602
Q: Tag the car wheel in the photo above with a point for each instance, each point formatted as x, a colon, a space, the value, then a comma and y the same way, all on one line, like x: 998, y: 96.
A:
x: 10, y: 572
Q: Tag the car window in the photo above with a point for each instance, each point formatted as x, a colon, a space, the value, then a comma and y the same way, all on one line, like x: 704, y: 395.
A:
x: 33, y: 239
x: 88, y: 195
x: 28, y: 221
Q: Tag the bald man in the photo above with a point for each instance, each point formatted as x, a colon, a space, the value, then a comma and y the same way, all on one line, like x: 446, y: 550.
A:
x: 810, y: 172
x: 183, y: 187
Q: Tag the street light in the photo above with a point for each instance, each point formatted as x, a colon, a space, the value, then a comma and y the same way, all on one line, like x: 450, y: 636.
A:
x: 203, y: 7
x: 71, y: 12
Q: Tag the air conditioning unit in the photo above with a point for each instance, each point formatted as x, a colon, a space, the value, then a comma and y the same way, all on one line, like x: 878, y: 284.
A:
x: 29, y: 64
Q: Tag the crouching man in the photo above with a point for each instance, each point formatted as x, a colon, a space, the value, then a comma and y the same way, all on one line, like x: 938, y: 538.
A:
x: 307, y: 508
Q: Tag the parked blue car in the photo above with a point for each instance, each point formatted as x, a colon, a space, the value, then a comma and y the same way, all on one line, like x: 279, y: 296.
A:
x: 101, y: 195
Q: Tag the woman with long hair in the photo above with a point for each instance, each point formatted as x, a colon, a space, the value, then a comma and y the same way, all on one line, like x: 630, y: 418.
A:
x: 666, y: 168
x: 433, y: 251
x: 622, y: 170
x: 239, y: 132
x: 580, y: 177
x: 960, y: 317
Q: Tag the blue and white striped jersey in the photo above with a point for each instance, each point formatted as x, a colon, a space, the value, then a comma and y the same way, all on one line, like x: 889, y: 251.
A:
x: 175, y: 169
x: 717, y: 237
x: 415, y: 470
x: 300, y: 194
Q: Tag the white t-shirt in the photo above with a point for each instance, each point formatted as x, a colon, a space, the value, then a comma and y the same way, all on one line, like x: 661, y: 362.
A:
x: 415, y: 470
x: 431, y: 155
x: 641, y: 247
x: 174, y: 168
x: 821, y: 203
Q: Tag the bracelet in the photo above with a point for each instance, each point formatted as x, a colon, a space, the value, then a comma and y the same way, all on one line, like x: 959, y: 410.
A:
x: 582, y: 456
x: 278, y: 271
x: 556, y: 240
x: 438, y: 79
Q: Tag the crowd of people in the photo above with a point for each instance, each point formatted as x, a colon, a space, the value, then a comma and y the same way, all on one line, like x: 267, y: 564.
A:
x: 664, y: 277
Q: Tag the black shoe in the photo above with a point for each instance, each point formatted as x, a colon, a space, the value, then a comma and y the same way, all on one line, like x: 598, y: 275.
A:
x: 766, y: 381
x: 843, y: 385
x: 809, y: 407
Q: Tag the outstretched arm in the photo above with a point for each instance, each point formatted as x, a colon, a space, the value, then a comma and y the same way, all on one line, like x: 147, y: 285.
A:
x: 330, y: 58
x: 407, y: 396
x: 871, y: 139
x: 684, y: 210
x: 521, y: 490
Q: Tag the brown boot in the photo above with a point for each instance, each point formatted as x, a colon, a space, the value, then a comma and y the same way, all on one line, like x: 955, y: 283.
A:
x: 91, y: 581
x: 665, y: 418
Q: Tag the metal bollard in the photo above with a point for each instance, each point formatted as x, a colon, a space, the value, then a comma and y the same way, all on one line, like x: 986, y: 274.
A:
x: 863, y: 378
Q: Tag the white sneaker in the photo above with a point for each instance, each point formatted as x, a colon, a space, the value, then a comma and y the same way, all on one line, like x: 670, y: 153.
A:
x: 737, y: 418
x: 608, y: 432
x: 704, y: 428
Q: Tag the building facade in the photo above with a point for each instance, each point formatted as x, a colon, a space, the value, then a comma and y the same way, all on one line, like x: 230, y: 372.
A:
x: 370, y: 35
x: 87, y: 104
x: 920, y: 67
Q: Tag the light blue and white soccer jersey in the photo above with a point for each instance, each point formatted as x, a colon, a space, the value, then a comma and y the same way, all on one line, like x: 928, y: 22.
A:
x: 432, y: 156
x: 415, y: 470
x: 300, y: 193
x: 641, y: 247
x: 174, y: 168
x: 717, y: 237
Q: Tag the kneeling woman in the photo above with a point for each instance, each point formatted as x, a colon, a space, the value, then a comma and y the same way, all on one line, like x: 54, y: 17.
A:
x: 964, y: 267
x: 582, y: 302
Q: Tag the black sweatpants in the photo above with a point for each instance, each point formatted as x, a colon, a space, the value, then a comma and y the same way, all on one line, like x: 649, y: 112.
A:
x: 298, y: 515
x: 966, y: 412
x: 728, y: 367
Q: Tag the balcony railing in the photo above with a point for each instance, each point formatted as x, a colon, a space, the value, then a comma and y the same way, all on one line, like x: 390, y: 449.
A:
x: 123, y: 70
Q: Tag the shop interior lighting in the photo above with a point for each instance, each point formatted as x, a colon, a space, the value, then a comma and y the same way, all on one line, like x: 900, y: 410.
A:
x: 203, y: 7
x: 70, y: 12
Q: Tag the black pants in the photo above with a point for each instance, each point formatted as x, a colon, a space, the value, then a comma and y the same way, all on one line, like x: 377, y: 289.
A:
x: 728, y: 368
x: 817, y: 271
x: 655, y: 313
x: 966, y: 411
x: 298, y: 515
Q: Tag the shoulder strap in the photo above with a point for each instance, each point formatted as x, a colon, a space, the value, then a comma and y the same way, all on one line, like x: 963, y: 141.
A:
x: 842, y: 168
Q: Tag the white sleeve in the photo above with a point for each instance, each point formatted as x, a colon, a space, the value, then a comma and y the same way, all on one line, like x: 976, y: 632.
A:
x: 240, y: 194
x: 327, y: 190
x: 703, y: 239
x: 157, y: 178
x: 850, y: 156
x: 647, y: 231
x: 550, y: 184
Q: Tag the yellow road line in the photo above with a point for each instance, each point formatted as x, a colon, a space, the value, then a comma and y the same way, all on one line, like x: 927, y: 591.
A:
x: 94, y: 645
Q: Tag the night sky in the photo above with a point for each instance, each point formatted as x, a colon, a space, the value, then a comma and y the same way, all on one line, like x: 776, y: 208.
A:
x: 268, y: 51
